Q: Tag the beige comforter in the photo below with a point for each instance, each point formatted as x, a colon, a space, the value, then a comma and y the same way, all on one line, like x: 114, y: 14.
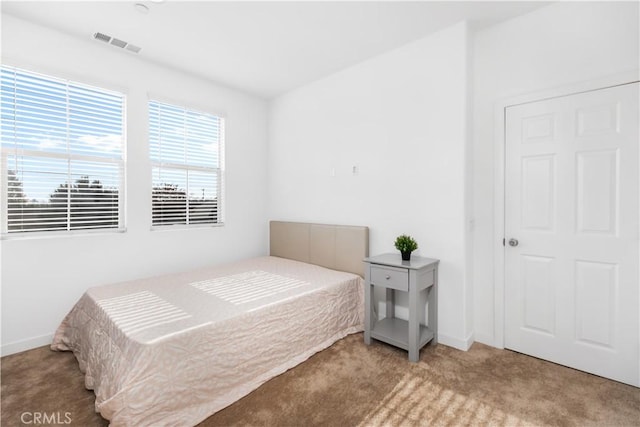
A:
x: 173, y: 350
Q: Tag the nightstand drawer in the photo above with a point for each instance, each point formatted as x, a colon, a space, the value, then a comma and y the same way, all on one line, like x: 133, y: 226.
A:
x: 389, y: 277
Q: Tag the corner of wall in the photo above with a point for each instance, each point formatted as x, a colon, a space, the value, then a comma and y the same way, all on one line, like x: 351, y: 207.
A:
x: 468, y: 185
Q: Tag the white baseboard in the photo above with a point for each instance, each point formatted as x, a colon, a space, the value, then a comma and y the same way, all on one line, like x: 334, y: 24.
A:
x: 454, y: 342
x: 28, y: 344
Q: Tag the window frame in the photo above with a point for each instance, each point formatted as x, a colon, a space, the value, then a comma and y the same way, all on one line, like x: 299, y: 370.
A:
x: 120, y: 162
x: 220, y: 171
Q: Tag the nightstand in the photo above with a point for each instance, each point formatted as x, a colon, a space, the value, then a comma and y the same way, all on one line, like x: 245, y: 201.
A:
x: 419, y: 274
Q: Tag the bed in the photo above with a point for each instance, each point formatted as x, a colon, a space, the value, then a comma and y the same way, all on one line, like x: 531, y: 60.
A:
x: 173, y: 350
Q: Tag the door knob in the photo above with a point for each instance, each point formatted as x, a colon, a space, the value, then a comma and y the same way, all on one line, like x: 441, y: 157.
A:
x: 513, y: 242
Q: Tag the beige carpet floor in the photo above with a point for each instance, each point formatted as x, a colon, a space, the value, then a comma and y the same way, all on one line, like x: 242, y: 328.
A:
x: 350, y: 384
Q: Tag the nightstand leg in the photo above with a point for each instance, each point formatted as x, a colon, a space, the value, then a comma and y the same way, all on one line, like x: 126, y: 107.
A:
x: 433, y: 308
x: 368, y: 308
x: 414, y: 320
x: 390, y: 303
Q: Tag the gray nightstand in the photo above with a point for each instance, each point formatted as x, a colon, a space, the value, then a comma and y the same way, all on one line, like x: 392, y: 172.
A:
x: 390, y: 272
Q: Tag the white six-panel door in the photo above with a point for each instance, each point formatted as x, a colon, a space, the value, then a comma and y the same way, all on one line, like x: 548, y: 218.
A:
x: 571, y: 208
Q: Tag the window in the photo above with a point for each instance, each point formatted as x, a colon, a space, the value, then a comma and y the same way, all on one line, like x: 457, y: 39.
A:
x: 187, y: 156
x: 62, y: 158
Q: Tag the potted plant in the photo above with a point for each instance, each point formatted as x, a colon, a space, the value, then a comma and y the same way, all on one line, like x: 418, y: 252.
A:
x: 406, y: 244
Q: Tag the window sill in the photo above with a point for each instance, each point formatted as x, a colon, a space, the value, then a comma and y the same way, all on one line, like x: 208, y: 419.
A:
x: 34, y: 235
x: 178, y: 227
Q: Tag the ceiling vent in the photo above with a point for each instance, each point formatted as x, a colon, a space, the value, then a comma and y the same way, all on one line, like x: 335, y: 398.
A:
x: 117, y: 42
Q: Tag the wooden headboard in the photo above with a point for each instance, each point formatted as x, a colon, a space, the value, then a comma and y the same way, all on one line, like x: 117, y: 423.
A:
x: 339, y: 247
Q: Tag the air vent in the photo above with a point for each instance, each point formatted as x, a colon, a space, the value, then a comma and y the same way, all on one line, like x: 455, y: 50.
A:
x: 117, y: 42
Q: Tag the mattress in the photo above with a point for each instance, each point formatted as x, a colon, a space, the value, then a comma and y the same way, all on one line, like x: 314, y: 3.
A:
x: 173, y: 350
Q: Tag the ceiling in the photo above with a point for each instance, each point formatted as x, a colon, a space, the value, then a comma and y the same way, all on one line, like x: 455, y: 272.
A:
x: 264, y: 48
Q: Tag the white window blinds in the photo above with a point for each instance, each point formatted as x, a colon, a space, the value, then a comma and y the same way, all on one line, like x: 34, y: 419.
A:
x: 62, y: 154
x: 187, y: 155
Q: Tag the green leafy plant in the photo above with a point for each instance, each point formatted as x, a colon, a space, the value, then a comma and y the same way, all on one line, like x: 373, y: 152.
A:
x: 405, y: 243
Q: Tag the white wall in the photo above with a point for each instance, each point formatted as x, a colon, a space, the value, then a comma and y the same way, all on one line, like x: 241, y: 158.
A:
x: 558, y: 45
x: 400, y: 118
x: 43, y: 277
